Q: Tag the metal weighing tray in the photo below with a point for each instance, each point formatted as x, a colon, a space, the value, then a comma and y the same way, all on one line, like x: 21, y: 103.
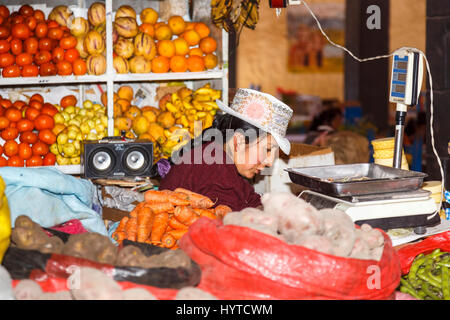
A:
x: 356, y: 179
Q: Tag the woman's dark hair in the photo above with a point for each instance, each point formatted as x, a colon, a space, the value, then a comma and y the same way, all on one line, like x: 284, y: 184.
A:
x: 325, y: 118
x: 223, y: 123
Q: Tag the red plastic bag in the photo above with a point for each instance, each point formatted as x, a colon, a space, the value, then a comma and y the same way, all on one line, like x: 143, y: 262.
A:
x: 410, y: 251
x: 241, y: 263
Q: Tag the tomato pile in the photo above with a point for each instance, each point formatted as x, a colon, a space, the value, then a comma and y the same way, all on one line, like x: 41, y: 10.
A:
x: 30, y: 45
x: 32, y: 123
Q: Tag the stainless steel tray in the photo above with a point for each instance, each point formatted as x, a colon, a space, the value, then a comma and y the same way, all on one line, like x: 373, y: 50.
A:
x: 343, y: 180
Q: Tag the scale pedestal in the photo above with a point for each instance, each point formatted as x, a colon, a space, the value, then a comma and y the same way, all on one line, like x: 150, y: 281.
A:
x: 412, y: 209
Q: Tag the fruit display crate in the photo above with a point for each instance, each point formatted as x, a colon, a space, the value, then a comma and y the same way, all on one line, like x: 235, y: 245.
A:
x: 111, y: 78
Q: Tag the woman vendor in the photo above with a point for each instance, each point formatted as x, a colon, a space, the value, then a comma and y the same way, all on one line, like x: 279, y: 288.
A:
x: 239, y: 145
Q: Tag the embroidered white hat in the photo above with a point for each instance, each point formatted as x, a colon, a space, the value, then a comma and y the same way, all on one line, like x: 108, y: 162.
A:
x: 263, y: 111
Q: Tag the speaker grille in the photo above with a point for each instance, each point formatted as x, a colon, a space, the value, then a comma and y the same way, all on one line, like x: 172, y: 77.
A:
x: 102, y: 161
x: 135, y: 160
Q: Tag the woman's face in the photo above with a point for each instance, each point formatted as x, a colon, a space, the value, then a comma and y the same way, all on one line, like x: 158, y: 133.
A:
x: 253, y: 157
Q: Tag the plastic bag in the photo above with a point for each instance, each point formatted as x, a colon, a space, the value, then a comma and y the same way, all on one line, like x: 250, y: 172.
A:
x: 409, y: 252
x: 241, y: 263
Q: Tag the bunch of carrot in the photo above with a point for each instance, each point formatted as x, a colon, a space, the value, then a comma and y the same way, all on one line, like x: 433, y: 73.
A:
x: 165, y: 216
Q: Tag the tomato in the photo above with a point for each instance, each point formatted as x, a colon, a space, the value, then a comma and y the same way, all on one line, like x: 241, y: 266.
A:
x: 55, y: 33
x: 79, y: 67
x: 16, y: 18
x: 9, y: 134
x: 64, y: 68
x: 31, y: 23
x: 13, y: 114
x: 36, y: 104
x: 25, y: 151
x: 68, y: 42
x: 4, y: 46
x: 11, y: 71
x: 4, y: 122
x: 41, y: 30
x: 30, y: 70
x: 52, y: 24
x: 39, y: 15
x: 23, y: 59
x: 49, y: 159
x: 4, y: 32
x: 57, y: 54
x: 49, y: 109
x: 37, y: 97
x: 48, y: 69
x: 31, y: 45
x: 43, y: 121
x: 69, y: 100
x: 71, y: 55
x: 40, y: 148
x: 3, y: 162
x: 28, y: 137
x: 47, y: 136
x: 4, y: 11
x: 20, y: 31
x: 2, y: 111
x: 16, y: 161
x: 10, y: 148
x: 5, y: 103
x: 42, y: 57
x: 25, y: 125
x: 26, y: 10
x: 19, y: 104
x: 6, y: 60
x: 31, y: 113
x: 45, y: 44
x: 34, y: 161
x: 16, y: 46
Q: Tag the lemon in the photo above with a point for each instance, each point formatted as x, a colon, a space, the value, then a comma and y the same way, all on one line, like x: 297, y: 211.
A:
x: 88, y: 104
x: 90, y: 113
x: 75, y: 160
x: 60, y: 160
x: 84, y: 128
x: 72, y: 134
x: 54, y: 149
x: 65, y: 115
x: 97, y: 107
x: 77, y: 144
x: 91, y: 136
x: 70, y: 109
x: 69, y: 150
x: 91, y: 124
x: 82, y: 112
x: 104, y: 120
x: 59, y: 118
x: 62, y: 138
x: 99, y: 128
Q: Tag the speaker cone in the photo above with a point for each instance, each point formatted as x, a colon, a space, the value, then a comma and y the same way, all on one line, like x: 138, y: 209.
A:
x: 135, y: 159
x: 102, y: 160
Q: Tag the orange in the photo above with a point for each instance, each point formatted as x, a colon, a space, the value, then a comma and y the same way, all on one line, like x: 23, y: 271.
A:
x: 178, y: 64
x: 176, y: 24
x: 125, y: 92
x: 208, y: 45
x: 160, y: 64
x: 196, y: 63
x: 202, y: 29
x: 149, y: 15
x: 163, y: 32
x: 191, y: 37
x: 190, y: 26
x: 11, y: 148
x: 122, y: 104
x: 210, y: 61
x: 148, y: 29
x: 166, y: 48
x: 196, y: 52
x: 181, y: 47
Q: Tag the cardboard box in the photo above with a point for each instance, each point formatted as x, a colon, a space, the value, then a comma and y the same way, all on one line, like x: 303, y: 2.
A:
x: 301, y: 155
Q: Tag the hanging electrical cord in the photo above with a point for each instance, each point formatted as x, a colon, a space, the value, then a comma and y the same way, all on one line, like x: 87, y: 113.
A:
x: 430, y: 80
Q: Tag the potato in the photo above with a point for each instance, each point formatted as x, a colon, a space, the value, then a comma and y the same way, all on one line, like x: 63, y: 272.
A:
x: 254, y: 219
x: 92, y: 246
x: 130, y: 256
x: 52, y: 245
x: 191, y: 293
x: 24, y: 222
x: 27, y: 290
x: 28, y: 239
x: 168, y: 259
x: 138, y: 294
x: 316, y: 242
x: 95, y: 285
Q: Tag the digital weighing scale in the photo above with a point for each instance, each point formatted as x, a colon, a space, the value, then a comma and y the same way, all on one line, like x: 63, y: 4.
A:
x: 383, y: 197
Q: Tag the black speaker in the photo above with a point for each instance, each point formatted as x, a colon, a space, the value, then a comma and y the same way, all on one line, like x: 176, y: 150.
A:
x: 116, y: 158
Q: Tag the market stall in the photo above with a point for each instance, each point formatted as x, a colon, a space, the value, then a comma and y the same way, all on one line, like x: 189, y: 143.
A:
x: 97, y: 102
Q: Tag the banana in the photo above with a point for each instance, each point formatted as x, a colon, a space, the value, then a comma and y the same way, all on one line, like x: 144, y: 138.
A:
x: 204, y: 91
x: 171, y: 107
x: 167, y: 133
x: 192, y: 111
x: 201, y: 114
x: 177, y: 115
x: 184, y: 121
x: 202, y: 97
x: 208, y: 120
x: 175, y: 98
x: 187, y: 105
x: 210, y: 105
x: 197, y: 105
